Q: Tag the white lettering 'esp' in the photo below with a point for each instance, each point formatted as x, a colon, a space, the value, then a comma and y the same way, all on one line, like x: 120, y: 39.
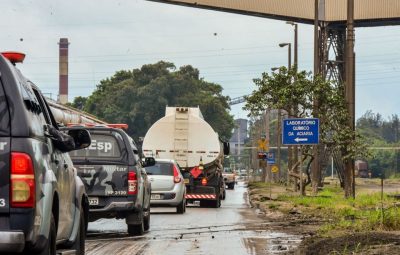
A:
x: 2, y: 145
x: 101, y: 146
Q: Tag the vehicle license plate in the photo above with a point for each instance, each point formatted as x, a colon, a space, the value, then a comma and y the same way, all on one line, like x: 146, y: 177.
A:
x: 93, y: 201
x: 156, y: 196
x: 186, y: 181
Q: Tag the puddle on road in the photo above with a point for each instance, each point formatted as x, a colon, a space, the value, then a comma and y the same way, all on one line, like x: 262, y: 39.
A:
x: 266, y: 242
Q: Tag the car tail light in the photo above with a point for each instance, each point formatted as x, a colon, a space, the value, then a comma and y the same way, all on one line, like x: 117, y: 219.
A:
x: 177, y: 178
x: 132, y: 183
x: 22, y: 180
x: 204, y: 181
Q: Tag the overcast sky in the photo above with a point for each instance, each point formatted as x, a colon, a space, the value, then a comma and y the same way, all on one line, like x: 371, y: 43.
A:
x: 229, y: 49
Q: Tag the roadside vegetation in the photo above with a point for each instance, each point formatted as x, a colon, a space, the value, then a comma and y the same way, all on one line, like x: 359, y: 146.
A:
x: 138, y: 97
x: 367, y: 212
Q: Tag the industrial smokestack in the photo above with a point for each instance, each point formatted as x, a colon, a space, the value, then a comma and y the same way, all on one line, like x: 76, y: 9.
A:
x: 63, y: 63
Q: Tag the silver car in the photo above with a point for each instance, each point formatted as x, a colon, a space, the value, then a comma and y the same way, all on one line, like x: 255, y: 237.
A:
x: 167, y: 185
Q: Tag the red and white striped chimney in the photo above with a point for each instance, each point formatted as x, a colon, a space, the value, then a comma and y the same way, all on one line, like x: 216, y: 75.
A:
x: 63, y: 63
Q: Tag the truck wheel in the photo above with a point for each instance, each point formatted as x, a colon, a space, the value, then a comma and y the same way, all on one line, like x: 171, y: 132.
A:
x: 216, y: 203
x: 181, y: 208
x: 147, y: 220
x: 50, y: 246
x: 137, y: 229
x: 231, y: 185
x: 79, y: 244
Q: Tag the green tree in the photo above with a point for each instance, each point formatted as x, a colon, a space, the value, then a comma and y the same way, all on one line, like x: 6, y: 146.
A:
x: 381, y: 133
x: 139, y: 97
x: 79, y: 102
x: 295, y: 93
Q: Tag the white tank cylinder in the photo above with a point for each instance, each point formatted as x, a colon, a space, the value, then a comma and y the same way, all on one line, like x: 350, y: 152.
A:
x: 182, y: 135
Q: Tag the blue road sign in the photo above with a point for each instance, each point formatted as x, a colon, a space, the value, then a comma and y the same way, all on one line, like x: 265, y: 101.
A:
x: 300, y: 131
x: 270, y: 157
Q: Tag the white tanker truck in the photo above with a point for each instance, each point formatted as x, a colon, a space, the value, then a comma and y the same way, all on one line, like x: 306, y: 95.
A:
x: 183, y: 135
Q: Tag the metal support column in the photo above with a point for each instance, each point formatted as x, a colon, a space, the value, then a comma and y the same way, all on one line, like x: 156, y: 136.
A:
x: 330, y: 63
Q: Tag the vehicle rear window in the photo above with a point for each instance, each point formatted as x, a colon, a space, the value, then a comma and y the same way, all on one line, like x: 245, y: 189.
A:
x: 102, y: 146
x: 4, y: 114
x: 160, y: 169
x: 228, y: 170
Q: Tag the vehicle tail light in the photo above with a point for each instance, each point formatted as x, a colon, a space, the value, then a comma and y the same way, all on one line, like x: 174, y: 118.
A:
x: 14, y: 57
x: 132, y: 183
x: 204, y: 181
x: 177, y: 178
x: 22, y: 180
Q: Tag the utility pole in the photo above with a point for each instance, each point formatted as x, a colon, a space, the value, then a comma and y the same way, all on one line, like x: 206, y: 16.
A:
x: 266, y: 123
x: 279, y: 141
x: 315, y: 164
x: 295, y: 149
x: 291, y: 154
x: 238, y: 138
x: 349, y: 181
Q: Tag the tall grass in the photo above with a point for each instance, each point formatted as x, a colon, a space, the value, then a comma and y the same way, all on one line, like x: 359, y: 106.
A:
x: 362, y: 213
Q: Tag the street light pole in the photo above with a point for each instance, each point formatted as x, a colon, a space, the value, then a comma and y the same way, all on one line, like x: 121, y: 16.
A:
x: 295, y: 153
x: 295, y: 58
x: 289, y: 53
x: 279, y: 136
x: 290, y: 149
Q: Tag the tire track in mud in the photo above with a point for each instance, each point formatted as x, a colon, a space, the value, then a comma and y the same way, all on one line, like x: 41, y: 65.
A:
x: 115, y: 247
x: 232, y: 229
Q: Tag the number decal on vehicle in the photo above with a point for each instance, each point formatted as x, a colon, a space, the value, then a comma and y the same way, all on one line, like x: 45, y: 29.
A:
x: 117, y: 192
x: 2, y: 202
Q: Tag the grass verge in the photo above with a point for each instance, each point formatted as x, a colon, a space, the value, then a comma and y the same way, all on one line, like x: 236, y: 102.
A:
x: 367, y: 212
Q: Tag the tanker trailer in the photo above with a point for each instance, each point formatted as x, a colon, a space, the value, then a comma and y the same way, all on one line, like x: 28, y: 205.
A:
x: 184, y: 136
x: 66, y: 115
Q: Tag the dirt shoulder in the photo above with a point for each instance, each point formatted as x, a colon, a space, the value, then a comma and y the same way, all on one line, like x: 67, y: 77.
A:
x: 327, y: 231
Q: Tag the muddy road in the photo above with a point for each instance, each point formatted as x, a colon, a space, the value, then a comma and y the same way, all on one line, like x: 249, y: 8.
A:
x: 232, y: 229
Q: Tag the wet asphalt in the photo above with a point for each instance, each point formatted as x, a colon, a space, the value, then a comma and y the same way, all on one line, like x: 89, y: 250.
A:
x: 234, y: 228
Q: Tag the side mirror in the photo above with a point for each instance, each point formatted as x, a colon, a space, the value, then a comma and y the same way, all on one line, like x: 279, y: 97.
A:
x: 148, y: 162
x: 81, y: 138
x: 226, y: 148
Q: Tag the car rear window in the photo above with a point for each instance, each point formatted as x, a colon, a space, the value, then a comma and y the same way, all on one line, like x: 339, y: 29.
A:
x: 228, y: 170
x: 160, y: 168
x: 102, y: 146
x: 4, y: 114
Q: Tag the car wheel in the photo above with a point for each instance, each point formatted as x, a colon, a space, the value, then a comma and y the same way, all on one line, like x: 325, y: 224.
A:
x: 50, y: 246
x: 79, y: 244
x: 147, y: 220
x: 180, y: 209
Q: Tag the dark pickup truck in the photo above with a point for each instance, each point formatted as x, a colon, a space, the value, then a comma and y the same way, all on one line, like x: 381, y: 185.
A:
x: 42, y: 200
x: 115, y: 179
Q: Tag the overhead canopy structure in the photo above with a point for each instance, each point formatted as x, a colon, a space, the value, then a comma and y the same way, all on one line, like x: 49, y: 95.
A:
x: 367, y: 12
